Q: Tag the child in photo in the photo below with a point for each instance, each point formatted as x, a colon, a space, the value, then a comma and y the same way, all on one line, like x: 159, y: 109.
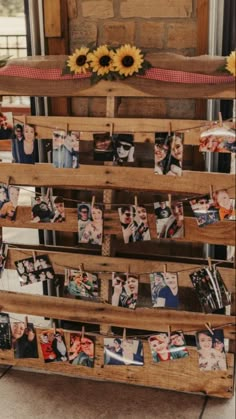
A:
x: 53, y: 345
x: 205, y: 211
x: 5, y: 331
x: 58, y: 209
x: 123, y: 145
x: 169, y: 219
x: 81, y: 350
x: 224, y: 204
x: 6, y: 125
x: 93, y: 229
x: 164, y: 289
x: 103, y: 147
x: 218, y: 139
x: 123, y: 352
x: 167, y: 348
x: 24, y: 144
x: 42, y: 211
x: 124, y: 290
x: 211, y: 350
x: 9, y: 196
x: 24, y: 340
x: 80, y: 284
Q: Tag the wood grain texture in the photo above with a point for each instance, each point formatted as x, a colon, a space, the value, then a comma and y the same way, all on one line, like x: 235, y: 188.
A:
x: 52, y: 26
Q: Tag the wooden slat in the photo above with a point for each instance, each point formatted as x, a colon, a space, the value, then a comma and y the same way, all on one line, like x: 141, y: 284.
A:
x: 113, y: 177
x: 52, y: 26
x: 109, y: 264
x: 218, y: 233
x: 180, y: 375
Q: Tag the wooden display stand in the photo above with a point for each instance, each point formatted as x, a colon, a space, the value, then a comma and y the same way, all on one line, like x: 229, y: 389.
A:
x: 181, y: 375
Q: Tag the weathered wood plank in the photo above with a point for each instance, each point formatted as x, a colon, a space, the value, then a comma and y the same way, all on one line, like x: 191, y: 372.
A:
x: 114, y: 177
x: 52, y: 26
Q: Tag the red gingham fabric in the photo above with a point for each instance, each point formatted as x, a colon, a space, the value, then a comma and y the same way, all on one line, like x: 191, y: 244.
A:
x: 173, y: 76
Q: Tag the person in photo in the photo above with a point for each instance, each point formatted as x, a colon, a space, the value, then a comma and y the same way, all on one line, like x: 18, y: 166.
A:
x: 80, y: 284
x: 59, y: 347
x: 133, y: 227
x: 5, y: 332
x: 125, y: 290
x: 24, y: 144
x: 59, y: 210
x: 174, y: 226
x: 83, y: 219
x: 123, y: 352
x: 123, y: 148
x: 81, y: 350
x: 3, y: 256
x: 93, y: 231
x: 142, y: 232
x: 8, y: 201
x: 24, y: 340
x: 168, y: 295
x: 41, y: 210
x: 74, y: 146
x: 6, y: 130
x: 162, y: 152
x: 159, y: 345
x: 47, y: 341
x: 210, y: 358
x: 218, y: 139
x: 157, y: 283
x: 177, y: 344
x: 103, y: 147
x: 205, y: 210
x: 225, y: 205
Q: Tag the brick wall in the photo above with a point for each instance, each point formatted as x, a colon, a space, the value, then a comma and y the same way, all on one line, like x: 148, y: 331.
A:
x: 152, y: 25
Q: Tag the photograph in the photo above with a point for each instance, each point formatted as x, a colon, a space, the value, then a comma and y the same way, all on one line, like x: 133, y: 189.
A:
x: 218, y: 139
x: 210, y: 289
x: 211, y: 350
x: 169, y: 219
x: 90, y: 223
x: 119, y: 351
x: 102, y: 147
x: 53, y: 346
x: 168, y: 153
x: 165, y: 347
x: 24, y: 144
x: 124, y: 290
x: 42, y: 209
x: 224, y: 204
x: 164, y: 289
x: 65, y: 149
x: 81, y: 285
x: 123, y: 145
x: 81, y: 351
x: 134, y: 223
x: 5, y: 332
x: 6, y: 125
x: 204, y: 210
x: 58, y: 207
x: 32, y: 270
x: 24, y: 341
x: 9, y: 196
x: 3, y: 256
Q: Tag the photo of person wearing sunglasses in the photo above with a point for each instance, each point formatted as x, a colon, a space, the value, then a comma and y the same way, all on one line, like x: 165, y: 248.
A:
x: 123, y: 148
x: 65, y: 149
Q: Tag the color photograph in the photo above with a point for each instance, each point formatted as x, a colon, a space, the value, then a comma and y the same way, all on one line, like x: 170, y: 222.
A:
x: 81, y: 285
x: 123, y: 145
x: 3, y: 256
x: 165, y: 347
x: 168, y: 153
x: 90, y: 223
x: 81, y: 351
x: 58, y: 207
x: 6, y: 125
x: 65, y: 149
x: 169, y: 219
x: 134, y: 223
x: 164, y: 289
x: 211, y: 350
x: 103, y: 147
x: 218, y: 139
x: 124, y: 290
x: 5, y: 332
x: 119, y: 351
x: 204, y: 210
x: 41, y: 209
x: 53, y: 345
x: 24, y: 144
x: 32, y: 270
x: 24, y: 341
x: 9, y: 196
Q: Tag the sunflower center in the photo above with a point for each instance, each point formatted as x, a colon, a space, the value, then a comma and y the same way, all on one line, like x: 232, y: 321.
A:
x: 81, y: 60
x: 105, y: 60
x: 127, y: 61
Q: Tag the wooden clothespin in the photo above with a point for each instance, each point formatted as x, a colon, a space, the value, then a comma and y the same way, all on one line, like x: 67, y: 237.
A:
x: 24, y: 120
x: 209, y: 263
x: 169, y: 331
x: 93, y: 201
x: 26, y: 322
x: 82, y: 332
x: 54, y: 327
x: 211, y: 191
x: 170, y: 129
x: 34, y: 255
x: 8, y: 181
x: 135, y: 201
x: 169, y: 199
x: 81, y: 267
x: 128, y: 270
x: 124, y: 334
x: 208, y: 326
x: 220, y: 119
x: 111, y: 128
x: 164, y: 268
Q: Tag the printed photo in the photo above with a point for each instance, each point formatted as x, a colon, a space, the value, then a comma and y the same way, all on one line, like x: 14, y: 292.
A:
x: 166, y: 347
x: 81, y: 285
x: 210, y: 288
x: 5, y: 331
x: 6, y: 125
x: 9, y: 196
x: 90, y: 223
x: 65, y: 149
x: 134, y: 223
x: 58, y: 207
x: 53, y: 345
x: 168, y: 153
x: 34, y: 270
x: 164, y: 289
x: 103, y: 147
x: 123, y: 352
x: 204, y: 210
x: 169, y: 219
x: 211, y: 350
x: 24, y: 144
x: 24, y: 341
x: 124, y: 290
x: 3, y: 256
x: 123, y: 145
x: 224, y: 204
x: 42, y: 209
x: 218, y: 139
x: 81, y: 350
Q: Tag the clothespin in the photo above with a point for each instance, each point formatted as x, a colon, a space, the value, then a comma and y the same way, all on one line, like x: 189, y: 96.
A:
x: 169, y: 331
x: 24, y: 120
x: 111, y: 129
x: 128, y: 270
x: 26, y: 322
x: 170, y: 129
x: 54, y: 327
x: 208, y: 326
x: 211, y: 191
x: 82, y: 332
x: 135, y: 201
x: 164, y: 268
x: 124, y: 334
x: 8, y: 181
x: 34, y: 255
x: 209, y: 263
x: 220, y: 119
x: 169, y: 199
x: 81, y: 267
x: 93, y: 201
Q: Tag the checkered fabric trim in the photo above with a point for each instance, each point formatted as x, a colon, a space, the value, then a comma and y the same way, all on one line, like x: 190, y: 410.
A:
x: 173, y: 76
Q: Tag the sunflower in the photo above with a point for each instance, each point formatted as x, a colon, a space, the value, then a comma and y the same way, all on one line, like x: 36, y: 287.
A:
x: 101, y: 60
x: 128, y: 60
x: 78, y: 62
x: 231, y: 63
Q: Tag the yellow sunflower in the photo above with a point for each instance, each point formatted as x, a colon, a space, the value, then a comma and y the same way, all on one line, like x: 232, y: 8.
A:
x: 101, y: 60
x: 78, y: 62
x: 231, y: 63
x: 128, y: 60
